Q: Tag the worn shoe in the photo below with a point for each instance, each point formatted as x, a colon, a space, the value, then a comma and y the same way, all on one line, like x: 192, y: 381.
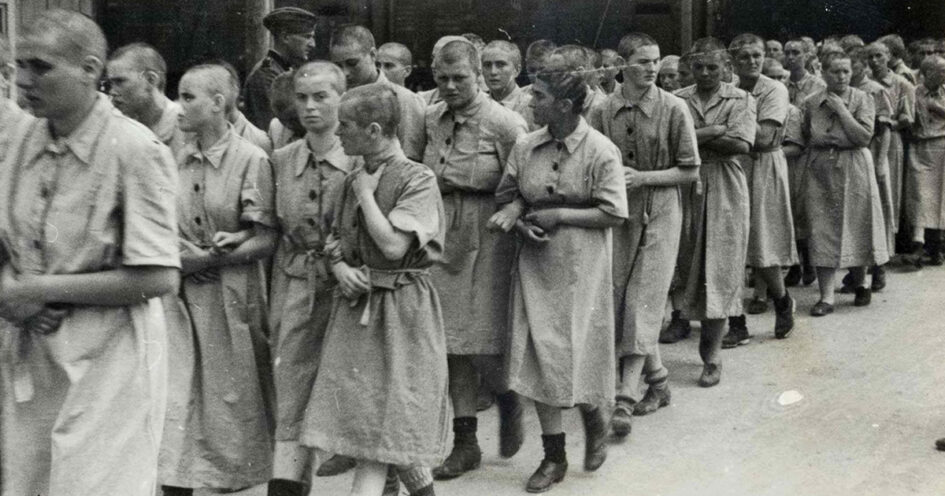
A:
x: 285, y: 487
x: 793, y: 277
x: 335, y: 465
x: 863, y: 297
x: 940, y: 444
x: 915, y: 256
x: 879, y: 278
x: 677, y: 330
x: 737, y: 333
x: 548, y: 473
x: 654, y: 399
x: 809, y: 275
x: 757, y: 306
x: 462, y: 459
x: 936, y: 258
x: 784, y: 316
x: 621, y: 422
x: 484, y: 400
x: 595, y: 438
x: 821, y: 308
x: 510, y: 424
x: 711, y: 374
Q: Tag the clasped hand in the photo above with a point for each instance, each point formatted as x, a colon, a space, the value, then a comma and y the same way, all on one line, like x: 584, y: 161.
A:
x: 26, y: 314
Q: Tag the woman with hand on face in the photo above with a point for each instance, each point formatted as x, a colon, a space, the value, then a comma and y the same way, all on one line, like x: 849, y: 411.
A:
x: 562, y: 192
x: 221, y: 439
x: 716, y: 241
x: 843, y: 204
x: 380, y: 395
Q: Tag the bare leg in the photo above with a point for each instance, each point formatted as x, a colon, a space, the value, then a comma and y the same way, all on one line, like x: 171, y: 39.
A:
x: 761, y: 284
x: 290, y: 460
x: 550, y: 418
x: 825, y: 278
x: 369, y: 478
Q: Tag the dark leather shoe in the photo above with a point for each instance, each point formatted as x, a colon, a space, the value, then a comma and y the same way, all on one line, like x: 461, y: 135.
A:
x: 821, y: 308
x: 879, y: 279
x: 793, y: 277
x: 621, y: 423
x: 940, y: 444
x: 677, y: 330
x: 863, y: 297
x: 462, y: 459
x: 548, y: 473
x: 848, y: 284
x: 711, y: 374
x: 757, y: 306
x: 595, y: 438
x: 510, y: 424
x: 737, y: 335
x: 335, y: 465
x: 285, y: 487
x: 654, y: 399
x: 784, y: 316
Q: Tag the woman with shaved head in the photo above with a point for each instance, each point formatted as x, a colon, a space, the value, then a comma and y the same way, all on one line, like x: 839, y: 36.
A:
x: 89, y: 241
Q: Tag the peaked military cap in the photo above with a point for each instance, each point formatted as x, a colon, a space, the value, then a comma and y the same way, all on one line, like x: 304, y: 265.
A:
x: 291, y: 19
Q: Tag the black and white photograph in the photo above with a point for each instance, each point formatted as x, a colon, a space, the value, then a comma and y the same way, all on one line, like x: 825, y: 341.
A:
x: 472, y: 247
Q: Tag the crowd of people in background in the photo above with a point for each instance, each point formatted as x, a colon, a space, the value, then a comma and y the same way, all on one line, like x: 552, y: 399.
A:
x: 318, y: 267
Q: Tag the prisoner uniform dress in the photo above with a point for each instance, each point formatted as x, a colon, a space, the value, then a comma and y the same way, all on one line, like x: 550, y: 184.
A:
x: 519, y: 101
x: 926, y: 198
x: 86, y: 411
x: 562, y: 340
x: 884, y: 112
x: 302, y: 282
x: 411, y: 129
x: 901, y: 94
x: 250, y: 132
x: 798, y: 91
x: 223, y: 438
x: 794, y: 136
x: 717, y: 239
x: 771, y: 235
x: 653, y: 134
x: 467, y: 149
x: 843, y: 205
x: 381, y: 389
x: 281, y: 135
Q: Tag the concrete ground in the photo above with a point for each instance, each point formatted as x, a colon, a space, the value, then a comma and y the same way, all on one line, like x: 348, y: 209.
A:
x: 850, y: 404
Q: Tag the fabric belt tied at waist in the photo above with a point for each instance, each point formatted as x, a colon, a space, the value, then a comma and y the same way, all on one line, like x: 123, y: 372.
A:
x: 386, y: 280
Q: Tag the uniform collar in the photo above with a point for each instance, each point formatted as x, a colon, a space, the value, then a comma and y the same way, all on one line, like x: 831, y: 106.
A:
x: 215, y: 153
x: 462, y: 115
x: 647, y: 103
x: 571, y: 141
x: 762, y: 85
x: 334, y: 157
x: 281, y: 61
x: 82, y: 140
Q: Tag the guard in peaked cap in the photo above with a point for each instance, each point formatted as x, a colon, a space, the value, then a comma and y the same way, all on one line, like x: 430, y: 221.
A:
x: 293, y: 34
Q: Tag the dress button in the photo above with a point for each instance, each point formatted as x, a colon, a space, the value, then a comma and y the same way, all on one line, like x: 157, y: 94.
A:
x: 554, y: 166
x: 44, y: 193
x: 197, y: 188
x: 37, y: 244
x: 449, y: 141
x: 551, y: 190
x: 312, y: 195
x: 311, y: 222
x: 197, y: 220
x: 629, y: 131
x: 442, y: 160
x: 630, y: 155
x: 560, y: 146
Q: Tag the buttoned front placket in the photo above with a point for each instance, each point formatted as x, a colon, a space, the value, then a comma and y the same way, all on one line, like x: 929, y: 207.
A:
x: 199, y: 218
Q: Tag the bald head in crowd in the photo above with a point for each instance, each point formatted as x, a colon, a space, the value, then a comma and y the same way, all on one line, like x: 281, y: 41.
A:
x: 137, y: 75
x: 395, y: 61
x: 353, y: 50
x: 61, y: 56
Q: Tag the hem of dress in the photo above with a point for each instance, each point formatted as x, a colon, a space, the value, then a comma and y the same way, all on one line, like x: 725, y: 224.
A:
x: 761, y: 263
x: 599, y: 401
x: 231, y: 485
x: 342, y: 447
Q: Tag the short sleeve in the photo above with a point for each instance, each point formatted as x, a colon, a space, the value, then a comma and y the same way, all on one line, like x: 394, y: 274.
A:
x: 514, y: 127
x: 882, y: 105
x: 685, y: 146
x: 863, y: 110
x: 792, y: 127
x: 609, y: 191
x: 773, y: 104
x: 741, y: 121
x: 906, y: 101
x: 149, y: 208
x: 419, y: 208
x: 257, y: 194
x: 412, y: 128
x: 508, y: 191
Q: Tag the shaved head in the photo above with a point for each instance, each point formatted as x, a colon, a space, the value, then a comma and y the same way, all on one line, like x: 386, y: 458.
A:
x: 397, y: 51
x: 373, y: 103
x: 143, y: 57
x: 458, y: 51
x: 214, y: 79
x: 73, y: 35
